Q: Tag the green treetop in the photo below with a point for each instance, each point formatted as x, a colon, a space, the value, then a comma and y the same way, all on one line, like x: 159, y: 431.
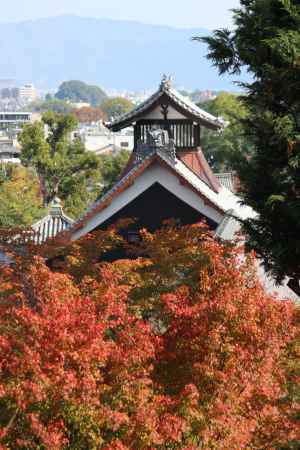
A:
x: 50, y: 104
x: 111, y: 167
x: 117, y: 106
x: 221, y: 149
x: 78, y: 91
x: 62, y: 164
x: 20, y: 198
x: 266, y: 41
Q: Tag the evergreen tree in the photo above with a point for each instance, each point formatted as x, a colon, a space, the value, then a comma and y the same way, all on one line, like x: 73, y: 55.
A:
x: 116, y: 107
x: 111, y: 167
x: 266, y: 41
x: 20, y: 199
x: 61, y: 163
x: 78, y: 91
x: 50, y: 104
x: 221, y: 148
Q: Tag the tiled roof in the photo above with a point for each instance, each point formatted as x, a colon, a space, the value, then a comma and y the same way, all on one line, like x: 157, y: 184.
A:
x: 196, y: 162
x: 183, y: 102
x: 125, y: 181
x: 227, y: 180
x: 222, y: 201
x: 55, y: 222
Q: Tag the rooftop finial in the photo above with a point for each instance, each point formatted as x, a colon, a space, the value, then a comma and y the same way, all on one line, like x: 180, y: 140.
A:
x: 56, y: 207
x: 166, y: 82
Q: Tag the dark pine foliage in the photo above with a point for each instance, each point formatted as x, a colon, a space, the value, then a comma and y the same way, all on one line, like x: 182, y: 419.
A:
x: 266, y: 41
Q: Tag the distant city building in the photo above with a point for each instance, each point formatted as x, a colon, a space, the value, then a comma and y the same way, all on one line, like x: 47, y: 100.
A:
x: 196, y: 96
x: 7, y: 83
x: 12, y: 122
x: 97, y: 138
x: 80, y: 105
x: 28, y: 93
x: 9, y: 151
x: 202, y: 96
x: 10, y: 104
x: 134, y: 97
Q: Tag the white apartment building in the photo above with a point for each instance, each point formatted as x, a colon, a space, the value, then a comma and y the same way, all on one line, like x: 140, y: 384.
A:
x: 97, y: 138
x: 13, y: 120
x: 28, y: 93
x: 9, y: 151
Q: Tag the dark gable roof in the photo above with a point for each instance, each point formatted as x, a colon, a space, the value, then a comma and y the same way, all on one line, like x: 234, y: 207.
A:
x: 167, y: 93
x: 217, y: 201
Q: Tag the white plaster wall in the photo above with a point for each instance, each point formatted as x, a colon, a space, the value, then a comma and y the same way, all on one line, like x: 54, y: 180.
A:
x: 153, y: 174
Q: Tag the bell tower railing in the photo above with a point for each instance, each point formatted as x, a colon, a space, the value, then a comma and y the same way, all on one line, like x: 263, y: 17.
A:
x: 184, y: 133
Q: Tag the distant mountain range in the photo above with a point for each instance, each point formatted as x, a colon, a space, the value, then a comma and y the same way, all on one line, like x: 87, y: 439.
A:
x: 110, y: 53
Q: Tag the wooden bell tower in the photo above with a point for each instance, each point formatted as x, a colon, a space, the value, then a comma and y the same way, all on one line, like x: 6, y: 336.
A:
x: 167, y: 110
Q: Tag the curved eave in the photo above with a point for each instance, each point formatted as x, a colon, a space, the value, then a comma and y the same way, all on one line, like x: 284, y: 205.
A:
x: 49, y: 227
x: 128, y: 123
x: 177, y: 101
x: 67, y: 221
x: 186, y: 177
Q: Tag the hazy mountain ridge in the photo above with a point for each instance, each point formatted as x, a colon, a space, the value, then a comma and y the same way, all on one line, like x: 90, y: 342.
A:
x: 110, y: 53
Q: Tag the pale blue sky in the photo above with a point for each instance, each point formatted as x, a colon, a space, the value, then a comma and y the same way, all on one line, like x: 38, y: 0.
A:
x: 180, y: 13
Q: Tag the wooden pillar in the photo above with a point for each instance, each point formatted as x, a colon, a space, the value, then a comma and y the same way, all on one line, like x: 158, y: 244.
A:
x: 197, y: 135
x: 137, y: 135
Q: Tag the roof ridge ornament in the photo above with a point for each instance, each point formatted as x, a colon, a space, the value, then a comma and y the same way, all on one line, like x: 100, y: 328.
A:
x: 56, y: 207
x: 188, y: 108
x: 52, y: 224
x: 166, y: 82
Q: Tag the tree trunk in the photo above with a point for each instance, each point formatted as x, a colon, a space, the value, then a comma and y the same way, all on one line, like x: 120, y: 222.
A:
x: 43, y: 190
x: 48, y: 196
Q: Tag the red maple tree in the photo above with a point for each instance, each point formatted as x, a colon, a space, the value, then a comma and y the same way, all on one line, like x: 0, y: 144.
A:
x: 181, y: 349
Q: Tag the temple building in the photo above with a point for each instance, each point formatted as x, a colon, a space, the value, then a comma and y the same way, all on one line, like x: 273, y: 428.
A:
x: 167, y: 176
x: 55, y: 222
